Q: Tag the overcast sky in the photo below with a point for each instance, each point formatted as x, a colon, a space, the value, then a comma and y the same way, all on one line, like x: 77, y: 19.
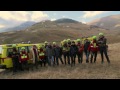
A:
x: 13, y: 18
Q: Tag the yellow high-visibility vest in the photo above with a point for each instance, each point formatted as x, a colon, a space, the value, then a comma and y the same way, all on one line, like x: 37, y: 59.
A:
x: 24, y: 56
x: 94, y: 44
x: 41, y: 54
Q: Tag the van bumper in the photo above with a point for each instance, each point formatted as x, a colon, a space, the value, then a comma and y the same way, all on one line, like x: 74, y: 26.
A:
x: 2, y: 66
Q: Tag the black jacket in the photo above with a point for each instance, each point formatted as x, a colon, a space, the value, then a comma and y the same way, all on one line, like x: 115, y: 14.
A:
x: 102, y: 42
x: 86, y: 45
x: 58, y: 51
x: 73, y: 50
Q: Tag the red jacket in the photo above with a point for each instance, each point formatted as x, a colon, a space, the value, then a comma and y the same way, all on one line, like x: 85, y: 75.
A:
x: 93, y: 47
x: 23, y: 56
x: 80, y: 48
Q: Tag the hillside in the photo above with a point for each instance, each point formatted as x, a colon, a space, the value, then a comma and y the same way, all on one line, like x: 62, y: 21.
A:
x: 50, y: 31
x: 55, y: 31
x: 110, y: 22
x: 66, y: 20
x: 19, y: 27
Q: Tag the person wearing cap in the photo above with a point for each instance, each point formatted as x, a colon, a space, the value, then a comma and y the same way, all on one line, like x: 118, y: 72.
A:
x: 73, y: 52
x: 23, y: 59
x: 93, y: 49
x: 103, y: 47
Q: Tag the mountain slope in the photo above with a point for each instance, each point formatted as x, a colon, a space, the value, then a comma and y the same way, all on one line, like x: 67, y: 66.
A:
x: 51, y: 31
x: 110, y: 22
x: 65, y: 20
x: 20, y: 27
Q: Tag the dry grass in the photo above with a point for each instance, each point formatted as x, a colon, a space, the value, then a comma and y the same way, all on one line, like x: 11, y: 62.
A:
x: 80, y: 71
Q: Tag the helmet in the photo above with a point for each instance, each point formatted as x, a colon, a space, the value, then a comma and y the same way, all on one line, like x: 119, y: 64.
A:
x: 101, y: 34
x: 39, y: 47
x: 64, y: 41
x: 73, y: 41
x: 68, y: 40
x: 94, y: 37
x: 45, y: 42
x: 54, y: 43
x: 22, y: 48
x: 78, y: 40
x: 14, y: 45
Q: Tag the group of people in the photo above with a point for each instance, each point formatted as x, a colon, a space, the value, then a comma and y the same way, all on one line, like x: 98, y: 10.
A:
x: 51, y: 53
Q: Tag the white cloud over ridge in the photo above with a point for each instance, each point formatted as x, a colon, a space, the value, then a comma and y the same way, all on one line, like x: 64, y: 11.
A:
x: 23, y: 15
x: 53, y: 19
x: 89, y: 14
x: 2, y: 26
x: 12, y: 18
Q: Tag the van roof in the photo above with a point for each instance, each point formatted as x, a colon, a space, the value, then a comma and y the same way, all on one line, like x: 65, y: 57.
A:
x: 18, y: 45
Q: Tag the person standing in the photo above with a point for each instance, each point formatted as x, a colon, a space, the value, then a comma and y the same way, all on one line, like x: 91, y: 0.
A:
x: 73, y: 52
x: 41, y: 55
x: 15, y: 58
x: 66, y: 51
x: 58, y: 54
x: 86, y: 45
x: 80, y: 51
x: 23, y: 59
x: 50, y: 53
x: 35, y: 56
x: 103, y: 47
x: 45, y: 46
x: 93, y: 49
x: 54, y: 56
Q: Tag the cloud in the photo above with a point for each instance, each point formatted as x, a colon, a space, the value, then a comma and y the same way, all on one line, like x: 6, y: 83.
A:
x: 23, y: 15
x: 12, y: 18
x: 38, y: 16
x: 53, y: 19
x: 2, y: 26
x: 88, y: 14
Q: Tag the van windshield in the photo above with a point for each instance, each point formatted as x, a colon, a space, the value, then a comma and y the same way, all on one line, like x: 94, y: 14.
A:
x: 0, y: 49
